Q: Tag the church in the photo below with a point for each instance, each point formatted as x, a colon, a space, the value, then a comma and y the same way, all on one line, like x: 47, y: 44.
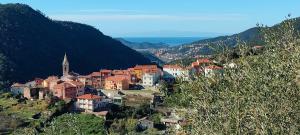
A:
x: 66, y: 74
x: 68, y: 86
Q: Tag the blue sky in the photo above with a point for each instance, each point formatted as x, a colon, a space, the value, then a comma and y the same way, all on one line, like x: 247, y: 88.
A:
x: 167, y: 18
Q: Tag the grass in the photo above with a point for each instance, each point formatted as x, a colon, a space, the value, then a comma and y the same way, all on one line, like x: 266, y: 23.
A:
x: 5, y: 103
x: 14, y: 114
x: 142, y: 92
x: 24, y: 110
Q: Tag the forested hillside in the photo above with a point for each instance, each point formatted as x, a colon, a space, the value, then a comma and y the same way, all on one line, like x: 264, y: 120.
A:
x: 32, y: 45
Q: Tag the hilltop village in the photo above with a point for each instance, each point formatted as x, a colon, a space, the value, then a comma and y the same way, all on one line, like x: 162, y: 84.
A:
x: 96, y: 92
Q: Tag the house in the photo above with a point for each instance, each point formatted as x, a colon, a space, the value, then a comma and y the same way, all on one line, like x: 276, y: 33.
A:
x: 112, y: 96
x: 50, y: 82
x: 116, y: 83
x: 212, y: 70
x: 200, y: 64
x: 68, y: 90
x: 88, y: 102
x: 31, y: 84
x: 42, y: 94
x: 18, y: 88
x: 96, y: 79
x: 150, y: 79
x: 176, y: 71
x: 32, y: 93
x: 86, y: 80
x: 39, y: 82
x: 29, y: 90
x: 104, y: 74
x: 79, y: 87
x: 139, y: 70
x: 130, y: 76
x: 117, y: 99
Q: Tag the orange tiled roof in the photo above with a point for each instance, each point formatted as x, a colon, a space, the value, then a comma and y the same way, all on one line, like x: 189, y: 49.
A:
x: 145, y: 66
x: 173, y: 66
x: 116, y: 78
x: 64, y: 84
x: 76, y: 83
x: 150, y: 71
x: 203, y: 60
x: 105, y: 71
x: 95, y: 74
x: 120, y: 72
x: 51, y: 78
x: 89, y: 96
x: 194, y: 64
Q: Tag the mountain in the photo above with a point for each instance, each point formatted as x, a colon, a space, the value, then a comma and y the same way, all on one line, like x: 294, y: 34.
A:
x: 251, y: 36
x: 143, y: 45
x: 32, y: 45
x: 152, y: 57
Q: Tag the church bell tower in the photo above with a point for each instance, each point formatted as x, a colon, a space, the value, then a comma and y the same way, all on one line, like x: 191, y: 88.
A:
x: 65, y: 66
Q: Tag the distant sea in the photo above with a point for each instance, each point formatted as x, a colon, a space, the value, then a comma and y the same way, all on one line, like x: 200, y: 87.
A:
x: 172, y: 41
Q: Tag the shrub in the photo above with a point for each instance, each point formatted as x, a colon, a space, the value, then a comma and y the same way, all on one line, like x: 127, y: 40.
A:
x: 260, y: 96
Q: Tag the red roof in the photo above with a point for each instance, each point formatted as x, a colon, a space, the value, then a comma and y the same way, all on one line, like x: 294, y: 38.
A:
x: 120, y: 72
x: 89, y: 96
x: 213, y: 67
x: 76, y: 83
x: 105, y: 71
x: 95, y: 74
x: 145, y: 66
x: 51, y: 78
x: 173, y: 66
x: 203, y: 60
x: 116, y: 78
x: 62, y: 85
x: 195, y: 64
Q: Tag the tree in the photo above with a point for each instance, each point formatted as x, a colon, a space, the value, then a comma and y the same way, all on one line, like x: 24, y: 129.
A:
x: 6, y: 69
x: 163, y: 87
x: 156, y: 118
x: 259, y: 96
x: 123, y: 126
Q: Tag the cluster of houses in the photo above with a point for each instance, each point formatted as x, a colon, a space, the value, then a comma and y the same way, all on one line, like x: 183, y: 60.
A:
x: 73, y: 86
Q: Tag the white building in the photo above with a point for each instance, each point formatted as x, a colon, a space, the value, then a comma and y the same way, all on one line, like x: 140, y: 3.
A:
x: 150, y: 79
x: 88, y: 102
x: 175, y: 71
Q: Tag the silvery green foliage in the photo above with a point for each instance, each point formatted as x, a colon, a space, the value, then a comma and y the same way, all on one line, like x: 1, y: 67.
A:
x: 76, y: 124
x: 259, y: 96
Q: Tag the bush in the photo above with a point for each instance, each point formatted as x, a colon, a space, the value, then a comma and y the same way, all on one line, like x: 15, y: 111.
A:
x: 260, y: 96
x: 76, y: 124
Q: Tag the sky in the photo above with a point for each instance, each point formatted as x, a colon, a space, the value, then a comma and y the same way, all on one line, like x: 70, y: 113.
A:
x: 167, y: 18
